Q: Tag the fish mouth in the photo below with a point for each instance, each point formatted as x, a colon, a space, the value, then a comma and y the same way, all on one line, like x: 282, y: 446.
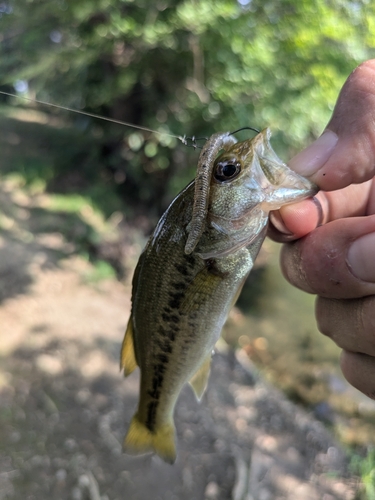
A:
x: 292, y: 188
x: 278, y: 184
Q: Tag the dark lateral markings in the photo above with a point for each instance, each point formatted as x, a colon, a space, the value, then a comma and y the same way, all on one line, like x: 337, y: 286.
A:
x: 176, y: 299
x: 167, y: 333
x: 173, y: 318
x: 179, y: 286
x: 187, y: 265
x: 151, y: 413
x: 165, y: 346
x: 165, y: 341
x: 182, y: 269
x: 154, y: 393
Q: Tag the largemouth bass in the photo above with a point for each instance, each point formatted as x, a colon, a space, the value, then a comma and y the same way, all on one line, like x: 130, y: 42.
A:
x: 191, y: 273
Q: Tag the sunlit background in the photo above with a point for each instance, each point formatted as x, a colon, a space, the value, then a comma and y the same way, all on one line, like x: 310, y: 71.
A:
x: 78, y: 198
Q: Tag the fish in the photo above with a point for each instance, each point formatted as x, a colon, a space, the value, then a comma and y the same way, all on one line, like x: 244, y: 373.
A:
x: 191, y: 272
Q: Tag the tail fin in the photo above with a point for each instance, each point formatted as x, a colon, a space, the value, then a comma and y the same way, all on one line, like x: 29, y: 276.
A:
x: 141, y: 440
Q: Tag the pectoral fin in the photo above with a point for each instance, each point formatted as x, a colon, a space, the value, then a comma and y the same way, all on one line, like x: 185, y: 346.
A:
x: 200, y: 379
x: 200, y: 289
x: 127, y: 360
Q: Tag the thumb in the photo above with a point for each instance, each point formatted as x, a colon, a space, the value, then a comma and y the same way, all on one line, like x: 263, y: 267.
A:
x: 342, y: 158
x: 345, y: 153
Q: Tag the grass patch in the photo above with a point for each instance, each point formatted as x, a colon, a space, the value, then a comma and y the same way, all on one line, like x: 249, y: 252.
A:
x: 364, y: 467
x: 101, y: 270
x: 72, y: 203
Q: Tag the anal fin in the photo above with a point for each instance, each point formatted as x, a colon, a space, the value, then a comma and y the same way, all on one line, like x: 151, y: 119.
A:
x: 127, y: 360
x: 200, y: 378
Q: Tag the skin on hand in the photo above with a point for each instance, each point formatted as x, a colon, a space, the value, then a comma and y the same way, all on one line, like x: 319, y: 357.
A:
x: 331, y: 239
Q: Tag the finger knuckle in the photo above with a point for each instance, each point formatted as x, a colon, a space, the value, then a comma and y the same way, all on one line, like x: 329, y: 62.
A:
x: 330, y: 319
x: 323, y: 315
x: 366, y: 317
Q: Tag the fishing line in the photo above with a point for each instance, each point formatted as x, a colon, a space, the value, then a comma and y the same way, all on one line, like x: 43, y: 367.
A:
x: 181, y: 138
x: 245, y: 128
x: 185, y: 140
x: 195, y: 139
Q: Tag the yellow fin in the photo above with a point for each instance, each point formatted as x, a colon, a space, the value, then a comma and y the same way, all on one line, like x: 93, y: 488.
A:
x: 127, y: 360
x: 141, y: 440
x: 200, y: 378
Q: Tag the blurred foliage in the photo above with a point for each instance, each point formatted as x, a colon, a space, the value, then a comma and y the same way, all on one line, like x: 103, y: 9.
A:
x: 186, y: 67
x: 365, y: 468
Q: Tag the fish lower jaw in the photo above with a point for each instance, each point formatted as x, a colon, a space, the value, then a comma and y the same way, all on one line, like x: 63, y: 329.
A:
x: 286, y: 197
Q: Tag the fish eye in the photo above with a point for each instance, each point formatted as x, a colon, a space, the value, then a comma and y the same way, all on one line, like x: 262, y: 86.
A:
x: 226, y: 170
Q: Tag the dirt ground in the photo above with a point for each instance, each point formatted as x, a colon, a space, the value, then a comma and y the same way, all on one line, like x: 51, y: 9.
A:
x: 64, y: 406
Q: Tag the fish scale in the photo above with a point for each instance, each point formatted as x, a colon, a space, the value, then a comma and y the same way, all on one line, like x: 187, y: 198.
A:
x: 182, y: 294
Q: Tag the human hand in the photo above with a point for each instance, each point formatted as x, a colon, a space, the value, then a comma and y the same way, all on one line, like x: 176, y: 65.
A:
x: 335, y: 255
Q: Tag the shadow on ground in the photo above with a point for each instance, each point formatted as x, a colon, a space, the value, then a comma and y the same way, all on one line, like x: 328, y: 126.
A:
x: 62, y: 424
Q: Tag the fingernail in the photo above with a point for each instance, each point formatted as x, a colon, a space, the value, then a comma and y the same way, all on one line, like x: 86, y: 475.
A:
x: 311, y: 159
x: 361, y: 257
x: 277, y: 221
